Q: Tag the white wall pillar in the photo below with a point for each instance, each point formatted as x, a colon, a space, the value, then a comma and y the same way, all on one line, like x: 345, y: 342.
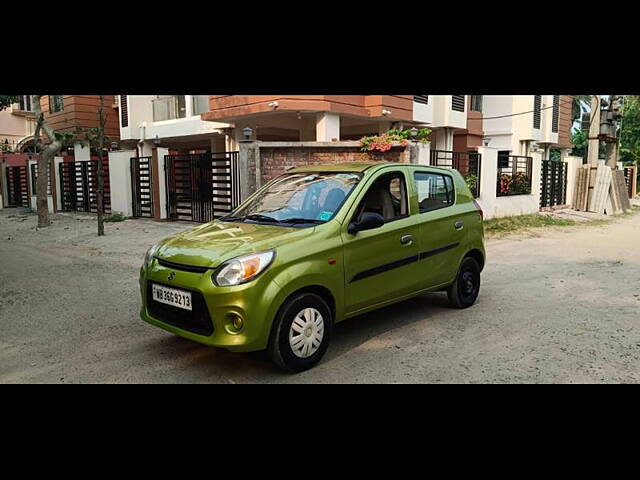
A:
x: 120, y: 181
x: 81, y: 153
x: 56, y: 176
x: 424, y: 153
x: 448, y: 136
x: 327, y: 127
x: 488, y: 178
x: 162, y: 187
x: 146, y: 148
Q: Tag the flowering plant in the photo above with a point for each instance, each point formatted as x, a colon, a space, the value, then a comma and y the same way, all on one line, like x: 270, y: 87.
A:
x: 384, y: 142
x: 517, y: 184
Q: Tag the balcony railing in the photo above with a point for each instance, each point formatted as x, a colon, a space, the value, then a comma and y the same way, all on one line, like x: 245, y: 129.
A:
x: 169, y: 108
x: 467, y: 163
x: 514, y: 175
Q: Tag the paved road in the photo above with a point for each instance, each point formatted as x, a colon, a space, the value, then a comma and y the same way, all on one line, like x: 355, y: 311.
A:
x: 563, y: 306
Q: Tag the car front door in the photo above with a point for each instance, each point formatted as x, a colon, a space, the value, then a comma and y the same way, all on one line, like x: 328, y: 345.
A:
x: 381, y: 264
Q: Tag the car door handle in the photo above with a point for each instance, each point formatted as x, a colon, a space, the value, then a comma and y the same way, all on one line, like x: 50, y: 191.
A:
x: 458, y: 225
x: 406, y: 239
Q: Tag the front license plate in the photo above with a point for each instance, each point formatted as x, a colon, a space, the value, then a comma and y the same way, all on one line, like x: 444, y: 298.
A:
x: 171, y: 296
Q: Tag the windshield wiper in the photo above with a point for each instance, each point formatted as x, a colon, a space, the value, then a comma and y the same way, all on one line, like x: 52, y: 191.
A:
x: 301, y: 220
x: 260, y: 218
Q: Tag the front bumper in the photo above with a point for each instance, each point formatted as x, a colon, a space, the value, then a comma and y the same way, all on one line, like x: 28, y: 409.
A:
x: 252, y: 302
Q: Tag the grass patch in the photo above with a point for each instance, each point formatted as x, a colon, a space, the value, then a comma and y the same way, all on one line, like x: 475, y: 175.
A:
x: 522, y: 222
x: 115, y: 217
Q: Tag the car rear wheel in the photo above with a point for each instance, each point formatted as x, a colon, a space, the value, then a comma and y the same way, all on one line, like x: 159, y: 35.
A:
x: 464, y: 291
x: 300, y: 333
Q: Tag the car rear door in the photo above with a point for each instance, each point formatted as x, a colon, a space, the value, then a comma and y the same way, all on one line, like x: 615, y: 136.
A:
x: 441, y: 231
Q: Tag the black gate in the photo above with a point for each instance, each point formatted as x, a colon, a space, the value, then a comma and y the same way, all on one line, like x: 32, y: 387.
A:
x: 141, y: 186
x: 79, y: 186
x: 553, y: 185
x: 201, y: 187
x: 467, y: 163
x: 17, y: 187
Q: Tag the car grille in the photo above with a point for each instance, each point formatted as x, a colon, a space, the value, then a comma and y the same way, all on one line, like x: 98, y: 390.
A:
x: 196, y: 321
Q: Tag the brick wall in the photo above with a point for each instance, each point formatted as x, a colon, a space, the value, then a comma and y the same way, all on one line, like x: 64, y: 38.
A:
x: 275, y: 161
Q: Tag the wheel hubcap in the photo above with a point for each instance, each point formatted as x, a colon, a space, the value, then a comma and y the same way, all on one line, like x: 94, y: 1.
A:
x: 468, y: 283
x: 306, y: 332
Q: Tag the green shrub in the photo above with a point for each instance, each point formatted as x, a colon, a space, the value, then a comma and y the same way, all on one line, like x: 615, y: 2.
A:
x: 115, y: 217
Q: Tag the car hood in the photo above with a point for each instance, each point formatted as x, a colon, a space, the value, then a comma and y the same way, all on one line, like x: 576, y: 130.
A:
x: 211, y: 244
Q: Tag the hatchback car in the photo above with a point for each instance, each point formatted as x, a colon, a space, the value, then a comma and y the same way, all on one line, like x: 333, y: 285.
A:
x: 311, y: 248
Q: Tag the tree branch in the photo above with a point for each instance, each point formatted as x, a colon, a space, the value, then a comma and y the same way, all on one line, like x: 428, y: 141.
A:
x: 35, y: 102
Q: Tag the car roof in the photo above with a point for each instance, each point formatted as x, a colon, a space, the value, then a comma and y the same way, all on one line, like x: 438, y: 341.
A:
x: 358, y: 167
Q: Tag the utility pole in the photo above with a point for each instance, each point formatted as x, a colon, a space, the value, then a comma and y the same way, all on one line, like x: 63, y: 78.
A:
x: 611, y: 131
x: 594, y: 132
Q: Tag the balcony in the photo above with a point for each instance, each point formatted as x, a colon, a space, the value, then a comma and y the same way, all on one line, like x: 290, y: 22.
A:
x: 169, y: 108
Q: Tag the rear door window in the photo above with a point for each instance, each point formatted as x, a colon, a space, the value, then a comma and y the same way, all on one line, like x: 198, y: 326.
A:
x: 435, y: 191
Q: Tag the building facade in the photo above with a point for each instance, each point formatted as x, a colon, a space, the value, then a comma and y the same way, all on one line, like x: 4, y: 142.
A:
x: 326, y: 118
x: 17, y: 125
x: 78, y: 113
x: 169, y: 121
x: 517, y: 123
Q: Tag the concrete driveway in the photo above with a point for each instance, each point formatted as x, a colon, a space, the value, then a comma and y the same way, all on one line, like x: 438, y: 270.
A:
x: 562, y: 305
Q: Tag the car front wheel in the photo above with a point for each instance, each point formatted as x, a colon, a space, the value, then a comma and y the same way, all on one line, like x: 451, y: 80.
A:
x: 300, y: 333
x: 463, y: 292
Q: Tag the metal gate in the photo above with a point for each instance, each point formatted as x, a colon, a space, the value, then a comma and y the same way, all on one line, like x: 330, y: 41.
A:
x: 79, y: 186
x: 201, y: 187
x: 553, y: 185
x: 141, y: 186
x: 17, y: 186
x: 469, y: 164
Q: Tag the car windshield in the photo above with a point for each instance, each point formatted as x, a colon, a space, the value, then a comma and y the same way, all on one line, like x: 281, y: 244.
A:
x: 299, y: 198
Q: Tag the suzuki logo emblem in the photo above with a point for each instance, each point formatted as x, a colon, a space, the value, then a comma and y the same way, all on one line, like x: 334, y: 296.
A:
x: 171, y: 276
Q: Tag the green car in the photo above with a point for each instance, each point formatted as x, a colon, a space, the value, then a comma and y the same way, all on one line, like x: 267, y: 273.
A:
x: 311, y: 248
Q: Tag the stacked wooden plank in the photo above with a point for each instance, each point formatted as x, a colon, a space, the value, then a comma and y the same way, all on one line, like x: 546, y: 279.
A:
x: 601, y: 190
x: 619, y: 192
x: 581, y: 192
x: 600, y: 195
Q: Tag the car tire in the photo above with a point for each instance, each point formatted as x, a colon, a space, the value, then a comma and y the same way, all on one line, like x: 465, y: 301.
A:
x: 300, y: 333
x: 464, y: 291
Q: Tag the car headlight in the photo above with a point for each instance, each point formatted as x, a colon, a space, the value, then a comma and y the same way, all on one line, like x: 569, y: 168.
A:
x: 148, y: 258
x: 242, y: 269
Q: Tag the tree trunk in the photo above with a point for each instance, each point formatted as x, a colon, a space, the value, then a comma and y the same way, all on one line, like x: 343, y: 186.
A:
x: 44, y: 161
x: 100, y: 170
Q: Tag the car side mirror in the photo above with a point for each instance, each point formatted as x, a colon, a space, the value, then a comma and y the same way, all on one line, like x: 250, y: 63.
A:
x: 369, y: 221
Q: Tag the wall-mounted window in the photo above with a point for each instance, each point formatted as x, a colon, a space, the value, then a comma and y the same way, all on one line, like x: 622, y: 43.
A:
x: 476, y: 103
x: 56, y: 103
x: 537, y: 110
x: 556, y: 113
x: 424, y: 99
x: 457, y: 103
x: 25, y: 103
x: 169, y: 108
x: 124, y: 111
x: 200, y: 104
